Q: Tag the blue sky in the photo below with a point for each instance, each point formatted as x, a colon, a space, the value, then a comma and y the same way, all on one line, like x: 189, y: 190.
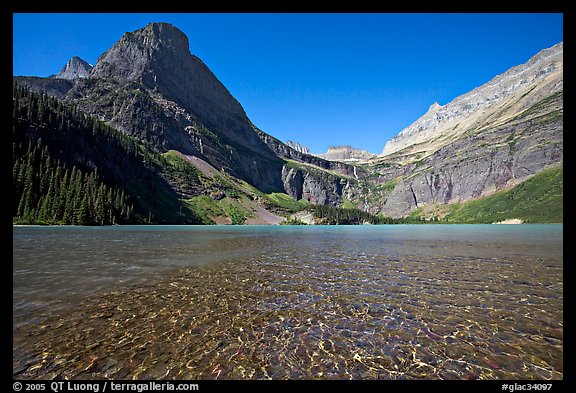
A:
x: 319, y: 79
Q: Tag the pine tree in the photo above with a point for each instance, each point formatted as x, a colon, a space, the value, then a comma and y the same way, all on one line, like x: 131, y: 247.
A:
x: 82, y: 215
x: 60, y: 207
x: 27, y: 199
x: 100, y: 214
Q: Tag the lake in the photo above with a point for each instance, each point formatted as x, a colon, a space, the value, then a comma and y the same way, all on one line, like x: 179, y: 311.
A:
x: 281, y: 302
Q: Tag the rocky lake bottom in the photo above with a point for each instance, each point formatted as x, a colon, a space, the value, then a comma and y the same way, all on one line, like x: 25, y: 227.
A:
x: 391, y: 302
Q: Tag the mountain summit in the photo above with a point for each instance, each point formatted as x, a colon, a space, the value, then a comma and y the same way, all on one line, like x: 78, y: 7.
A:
x: 75, y: 68
x: 503, y: 97
x: 346, y: 154
x: 143, y: 53
x: 158, y: 57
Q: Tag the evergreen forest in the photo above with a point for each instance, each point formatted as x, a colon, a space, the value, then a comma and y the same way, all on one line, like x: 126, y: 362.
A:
x: 69, y: 168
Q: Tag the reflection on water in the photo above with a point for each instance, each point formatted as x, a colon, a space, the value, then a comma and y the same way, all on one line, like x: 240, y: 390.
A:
x: 385, y: 302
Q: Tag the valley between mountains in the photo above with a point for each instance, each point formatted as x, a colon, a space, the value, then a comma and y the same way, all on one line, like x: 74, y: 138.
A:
x: 150, y: 135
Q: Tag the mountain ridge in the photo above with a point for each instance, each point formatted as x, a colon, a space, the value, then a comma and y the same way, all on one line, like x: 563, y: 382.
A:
x: 464, y: 112
x: 346, y: 153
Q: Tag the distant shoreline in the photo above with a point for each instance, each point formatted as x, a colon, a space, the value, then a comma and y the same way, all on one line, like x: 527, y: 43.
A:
x: 504, y: 222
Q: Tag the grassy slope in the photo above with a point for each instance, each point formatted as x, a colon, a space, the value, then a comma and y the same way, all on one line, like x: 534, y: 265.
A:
x: 537, y: 200
x: 229, y: 198
x: 208, y: 209
x: 287, y: 202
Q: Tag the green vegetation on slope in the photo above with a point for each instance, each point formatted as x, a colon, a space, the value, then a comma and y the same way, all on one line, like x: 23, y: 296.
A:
x: 208, y: 208
x: 235, y: 205
x: 69, y: 168
x: 285, y: 201
x: 537, y: 200
x: 57, y: 147
x: 220, y: 197
x: 543, y: 106
x: 348, y: 205
x: 181, y: 173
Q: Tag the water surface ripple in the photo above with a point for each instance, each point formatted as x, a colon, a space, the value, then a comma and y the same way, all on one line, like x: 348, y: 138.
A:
x: 382, y: 302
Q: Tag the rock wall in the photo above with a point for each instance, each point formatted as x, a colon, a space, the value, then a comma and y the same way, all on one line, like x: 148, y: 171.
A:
x: 317, y: 186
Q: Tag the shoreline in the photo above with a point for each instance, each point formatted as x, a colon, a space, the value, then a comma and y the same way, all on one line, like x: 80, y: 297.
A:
x: 504, y: 222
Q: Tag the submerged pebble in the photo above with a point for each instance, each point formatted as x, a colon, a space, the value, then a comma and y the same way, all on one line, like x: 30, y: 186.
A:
x: 334, y: 317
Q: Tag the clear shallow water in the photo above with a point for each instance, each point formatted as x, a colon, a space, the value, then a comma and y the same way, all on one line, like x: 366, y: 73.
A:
x: 404, y: 301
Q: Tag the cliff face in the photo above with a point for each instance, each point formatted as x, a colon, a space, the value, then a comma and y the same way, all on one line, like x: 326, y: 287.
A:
x: 149, y: 85
x: 489, y: 105
x: 490, y: 139
x: 158, y: 59
x: 317, y: 186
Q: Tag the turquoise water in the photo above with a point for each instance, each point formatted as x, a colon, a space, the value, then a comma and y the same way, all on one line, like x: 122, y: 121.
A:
x: 398, y: 301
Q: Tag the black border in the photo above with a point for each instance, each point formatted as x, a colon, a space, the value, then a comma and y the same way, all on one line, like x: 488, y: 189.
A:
x: 408, y: 6
x: 567, y: 7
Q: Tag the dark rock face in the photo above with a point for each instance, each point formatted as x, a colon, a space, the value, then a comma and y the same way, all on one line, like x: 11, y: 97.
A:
x: 293, y: 180
x: 158, y: 58
x: 76, y: 68
x: 318, y: 186
x: 56, y: 87
x: 286, y: 152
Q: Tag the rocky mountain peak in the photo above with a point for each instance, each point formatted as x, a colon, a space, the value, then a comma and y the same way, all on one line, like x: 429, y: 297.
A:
x: 75, y: 68
x: 516, y: 89
x: 164, y: 32
x: 142, y: 52
x: 158, y: 58
x: 346, y: 153
x: 151, y: 86
x: 162, y: 39
x: 434, y: 107
x: 298, y: 147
